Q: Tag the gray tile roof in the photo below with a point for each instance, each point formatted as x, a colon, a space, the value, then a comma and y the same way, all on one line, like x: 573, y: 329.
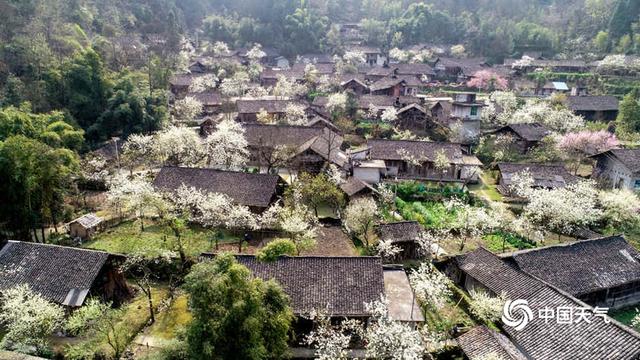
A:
x: 481, y: 341
x: 207, y: 98
x: 629, y: 157
x: 88, y: 221
x: 592, y: 103
x: 550, y: 340
x: 595, y: 264
x: 390, y: 149
x: 544, y: 175
x: 338, y: 285
x: 400, y: 231
x: 60, y: 274
x: 529, y: 132
x: 256, y: 190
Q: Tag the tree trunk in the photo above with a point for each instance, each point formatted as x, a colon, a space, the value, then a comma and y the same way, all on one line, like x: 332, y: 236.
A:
x: 42, y: 232
x: 153, y: 317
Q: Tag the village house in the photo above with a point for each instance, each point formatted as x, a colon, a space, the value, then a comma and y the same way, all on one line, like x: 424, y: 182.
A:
x: 406, y: 236
x: 354, y: 83
x: 466, y: 107
x: 340, y: 287
x: 287, y: 149
x: 396, y: 86
x: 257, y: 191
x: 248, y: 109
x: 523, y: 137
x: 560, y: 66
x: 619, y: 168
x: 552, y: 87
x: 481, y: 342
x: 355, y: 188
x: 314, y: 59
x: 64, y: 275
x: 373, y: 55
x: 400, y: 157
x: 466, y: 112
x: 211, y: 101
x: 459, y: 70
x: 540, y: 338
x: 545, y: 176
x: 85, y: 226
x: 269, y: 76
x: 179, y: 84
x: 604, y: 272
x: 415, y: 118
x: 595, y: 108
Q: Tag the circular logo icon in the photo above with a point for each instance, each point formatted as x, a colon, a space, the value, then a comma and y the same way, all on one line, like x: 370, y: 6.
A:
x: 517, y: 314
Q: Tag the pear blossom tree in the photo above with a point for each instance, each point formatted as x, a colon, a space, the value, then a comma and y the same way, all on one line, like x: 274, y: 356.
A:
x: 485, y: 307
x: 219, y: 48
x: 458, y: 50
x: 432, y: 287
x: 311, y: 74
x: 350, y: 61
x: 557, y: 119
x: 621, y: 208
x: 360, y: 219
x: 487, y: 80
x: 28, y: 318
x: 235, y: 85
x: 564, y: 209
x: 263, y: 117
x: 390, y: 339
x: 187, y: 109
x: 441, y: 163
x: 336, y: 103
x: 257, y: 92
x: 288, y: 88
x: 294, y: 114
x: 331, y: 341
x: 506, y: 101
x: 386, y: 249
x: 178, y: 146
x: 299, y: 225
x: 134, y: 195
x: 138, y: 150
x: 203, y: 83
x: 522, y: 63
x: 227, y: 146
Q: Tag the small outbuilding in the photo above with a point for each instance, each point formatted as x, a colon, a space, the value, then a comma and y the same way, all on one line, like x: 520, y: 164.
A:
x: 85, y: 226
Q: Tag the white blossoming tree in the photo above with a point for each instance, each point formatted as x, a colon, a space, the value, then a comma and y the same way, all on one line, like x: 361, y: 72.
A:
x: 336, y: 103
x: 360, y: 218
x: 28, y: 318
x: 389, y: 339
x: 331, y: 341
x: 187, y: 109
x: 138, y: 150
x: 557, y: 119
x: 485, y: 307
x: 227, y: 146
x: 386, y: 249
x: 288, y: 88
x: 235, y: 85
x: 294, y: 114
x: 219, y: 48
x: 299, y: 225
x: 432, y: 287
x: 621, y: 208
x: 203, y: 83
x: 178, y: 146
x: 134, y: 195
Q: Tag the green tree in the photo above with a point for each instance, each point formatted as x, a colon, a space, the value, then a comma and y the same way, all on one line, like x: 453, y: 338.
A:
x: 276, y: 248
x: 34, y: 179
x: 318, y: 190
x: 629, y: 113
x: 235, y: 315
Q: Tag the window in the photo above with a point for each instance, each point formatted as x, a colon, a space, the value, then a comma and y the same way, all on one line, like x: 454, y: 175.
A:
x: 474, y: 111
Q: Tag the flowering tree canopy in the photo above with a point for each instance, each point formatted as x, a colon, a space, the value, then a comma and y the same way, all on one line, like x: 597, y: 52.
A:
x: 187, y: 109
x: 28, y: 317
x: 488, y: 80
x: 430, y: 285
x: 587, y: 142
x: 360, y: 217
x: 227, y: 146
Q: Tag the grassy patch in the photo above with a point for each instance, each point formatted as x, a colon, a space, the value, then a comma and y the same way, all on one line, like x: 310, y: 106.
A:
x: 503, y: 242
x: 487, y: 187
x: 624, y: 315
x: 429, y: 214
x: 128, y: 238
x: 136, y: 316
x: 169, y: 322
